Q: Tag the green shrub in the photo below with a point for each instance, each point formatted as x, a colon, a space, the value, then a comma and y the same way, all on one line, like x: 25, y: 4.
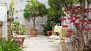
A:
x: 9, y: 45
x: 47, y: 26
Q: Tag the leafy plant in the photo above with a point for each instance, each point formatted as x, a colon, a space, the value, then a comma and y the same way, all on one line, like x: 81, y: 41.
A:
x: 55, y: 10
x: 11, y: 30
x: 14, y: 28
x: 9, y: 45
x: 35, y: 8
x: 1, y: 38
x: 22, y: 30
x: 16, y: 23
x: 47, y: 26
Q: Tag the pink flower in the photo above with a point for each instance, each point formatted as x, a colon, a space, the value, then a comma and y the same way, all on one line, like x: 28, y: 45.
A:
x: 70, y: 31
x: 62, y: 19
x: 67, y: 35
x: 86, y: 10
x: 86, y: 29
x: 77, y: 7
x: 65, y: 26
x: 72, y: 21
x: 72, y: 10
x: 69, y: 18
x: 75, y: 17
x: 87, y: 22
x: 82, y: 20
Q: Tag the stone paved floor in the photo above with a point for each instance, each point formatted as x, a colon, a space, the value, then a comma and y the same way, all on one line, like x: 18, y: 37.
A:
x: 40, y: 43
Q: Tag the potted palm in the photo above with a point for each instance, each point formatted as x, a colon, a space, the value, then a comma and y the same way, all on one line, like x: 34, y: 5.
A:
x: 35, y: 8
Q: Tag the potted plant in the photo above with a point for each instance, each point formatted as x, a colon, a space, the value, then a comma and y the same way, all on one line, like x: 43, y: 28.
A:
x: 48, y: 26
x: 16, y: 26
x: 16, y: 29
x: 35, y: 8
x: 22, y: 30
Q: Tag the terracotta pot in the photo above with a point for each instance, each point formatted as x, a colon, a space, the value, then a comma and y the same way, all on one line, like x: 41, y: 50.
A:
x: 33, y: 31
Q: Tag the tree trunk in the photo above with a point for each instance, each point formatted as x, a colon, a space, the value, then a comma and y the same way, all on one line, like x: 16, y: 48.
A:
x: 34, y: 23
x: 81, y: 35
x: 81, y: 42
x: 27, y: 26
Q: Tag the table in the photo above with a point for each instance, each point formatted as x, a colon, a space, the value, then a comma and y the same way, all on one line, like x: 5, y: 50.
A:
x: 22, y: 37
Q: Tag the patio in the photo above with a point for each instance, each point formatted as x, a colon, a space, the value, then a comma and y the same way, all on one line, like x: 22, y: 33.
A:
x: 40, y: 43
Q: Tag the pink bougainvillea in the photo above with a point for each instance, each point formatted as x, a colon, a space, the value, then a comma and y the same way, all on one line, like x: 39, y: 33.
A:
x: 64, y: 26
x: 77, y: 18
x: 70, y: 31
x: 62, y: 19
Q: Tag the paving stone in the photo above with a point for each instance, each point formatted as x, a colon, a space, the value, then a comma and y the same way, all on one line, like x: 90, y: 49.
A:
x: 40, y: 43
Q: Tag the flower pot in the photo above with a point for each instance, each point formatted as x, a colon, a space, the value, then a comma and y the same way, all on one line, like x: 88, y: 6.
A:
x: 33, y: 31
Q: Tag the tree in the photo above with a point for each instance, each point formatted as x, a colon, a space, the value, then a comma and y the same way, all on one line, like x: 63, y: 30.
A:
x: 55, y: 10
x: 78, y: 16
x: 35, y: 8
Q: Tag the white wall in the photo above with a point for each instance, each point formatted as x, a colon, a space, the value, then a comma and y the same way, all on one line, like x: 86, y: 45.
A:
x: 20, y: 4
x: 3, y: 18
